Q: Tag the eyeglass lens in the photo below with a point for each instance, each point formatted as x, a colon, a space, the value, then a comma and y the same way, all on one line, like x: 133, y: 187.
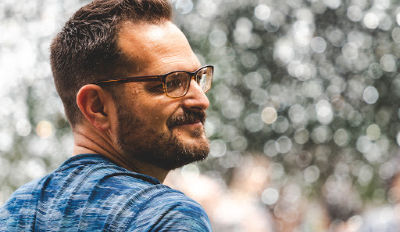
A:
x: 177, y: 83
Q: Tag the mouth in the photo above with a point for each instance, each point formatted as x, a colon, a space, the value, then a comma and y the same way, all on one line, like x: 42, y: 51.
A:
x: 188, y: 118
x: 194, y: 129
x: 192, y: 124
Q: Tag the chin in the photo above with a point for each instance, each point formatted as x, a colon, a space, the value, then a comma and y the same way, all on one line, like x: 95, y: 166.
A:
x: 187, y: 152
x: 193, y: 142
x: 169, y: 150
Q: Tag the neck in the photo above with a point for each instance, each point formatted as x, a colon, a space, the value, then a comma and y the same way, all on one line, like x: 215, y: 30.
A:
x: 91, y: 141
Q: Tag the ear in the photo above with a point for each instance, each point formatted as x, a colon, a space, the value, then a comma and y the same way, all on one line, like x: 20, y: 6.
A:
x: 95, y: 104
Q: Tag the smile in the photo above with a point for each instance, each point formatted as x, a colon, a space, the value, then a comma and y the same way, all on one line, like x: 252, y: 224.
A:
x: 191, y: 124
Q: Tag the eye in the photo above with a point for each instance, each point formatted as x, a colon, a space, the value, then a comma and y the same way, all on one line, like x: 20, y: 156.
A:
x: 176, y: 80
x: 156, y: 88
x: 172, y: 84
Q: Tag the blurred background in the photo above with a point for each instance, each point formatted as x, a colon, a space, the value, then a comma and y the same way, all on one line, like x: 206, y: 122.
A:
x: 304, y: 116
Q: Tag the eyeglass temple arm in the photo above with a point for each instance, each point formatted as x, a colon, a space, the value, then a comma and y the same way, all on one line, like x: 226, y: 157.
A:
x: 130, y: 79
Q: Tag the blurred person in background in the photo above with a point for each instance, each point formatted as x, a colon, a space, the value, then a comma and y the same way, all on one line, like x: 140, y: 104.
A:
x: 246, y: 186
x: 386, y: 218
x: 315, y: 217
x: 342, y: 204
x: 134, y: 94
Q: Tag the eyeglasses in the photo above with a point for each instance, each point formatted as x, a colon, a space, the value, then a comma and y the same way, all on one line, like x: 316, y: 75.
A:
x: 174, y: 84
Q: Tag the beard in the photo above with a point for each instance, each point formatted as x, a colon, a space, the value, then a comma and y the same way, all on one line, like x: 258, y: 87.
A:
x: 165, y: 150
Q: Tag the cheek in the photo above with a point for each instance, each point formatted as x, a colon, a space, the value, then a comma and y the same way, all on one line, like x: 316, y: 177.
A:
x: 157, y: 113
x: 153, y: 110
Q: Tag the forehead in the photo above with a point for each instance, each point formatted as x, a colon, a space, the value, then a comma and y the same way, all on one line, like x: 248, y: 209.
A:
x: 157, y: 47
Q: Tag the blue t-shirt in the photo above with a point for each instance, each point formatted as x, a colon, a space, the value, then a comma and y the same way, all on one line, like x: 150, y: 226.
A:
x: 90, y: 193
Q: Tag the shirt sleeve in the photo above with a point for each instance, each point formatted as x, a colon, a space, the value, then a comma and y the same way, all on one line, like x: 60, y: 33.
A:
x: 171, y: 212
x: 183, y: 218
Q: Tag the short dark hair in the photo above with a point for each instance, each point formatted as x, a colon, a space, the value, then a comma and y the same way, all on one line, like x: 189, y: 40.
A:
x: 86, y: 49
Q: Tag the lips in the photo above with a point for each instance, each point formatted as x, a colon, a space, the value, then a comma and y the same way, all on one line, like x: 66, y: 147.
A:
x: 188, y: 117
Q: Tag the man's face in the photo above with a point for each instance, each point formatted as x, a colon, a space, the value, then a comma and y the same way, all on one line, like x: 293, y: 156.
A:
x: 152, y: 127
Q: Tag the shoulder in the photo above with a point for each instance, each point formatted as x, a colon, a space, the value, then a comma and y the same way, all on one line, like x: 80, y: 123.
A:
x: 149, y: 207
x: 171, y: 210
x: 20, y: 206
x: 134, y: 202
x: 25, y: 193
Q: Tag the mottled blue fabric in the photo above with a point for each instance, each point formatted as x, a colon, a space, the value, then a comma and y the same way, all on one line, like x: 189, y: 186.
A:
x: 90, y: 193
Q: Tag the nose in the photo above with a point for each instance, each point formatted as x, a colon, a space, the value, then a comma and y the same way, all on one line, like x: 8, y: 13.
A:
x: 195, y: 97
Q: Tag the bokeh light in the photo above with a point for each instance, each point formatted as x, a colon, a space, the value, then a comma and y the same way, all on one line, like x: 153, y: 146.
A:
x: 310, y: 86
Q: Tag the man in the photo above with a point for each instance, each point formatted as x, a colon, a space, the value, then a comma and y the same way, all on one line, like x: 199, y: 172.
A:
x: 134, y: 94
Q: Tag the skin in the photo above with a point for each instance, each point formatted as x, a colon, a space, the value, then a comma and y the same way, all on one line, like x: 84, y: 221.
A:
x: 159, y: 49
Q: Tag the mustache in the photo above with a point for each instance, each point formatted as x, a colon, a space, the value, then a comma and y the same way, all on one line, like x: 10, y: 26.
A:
x: 188, y: 117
